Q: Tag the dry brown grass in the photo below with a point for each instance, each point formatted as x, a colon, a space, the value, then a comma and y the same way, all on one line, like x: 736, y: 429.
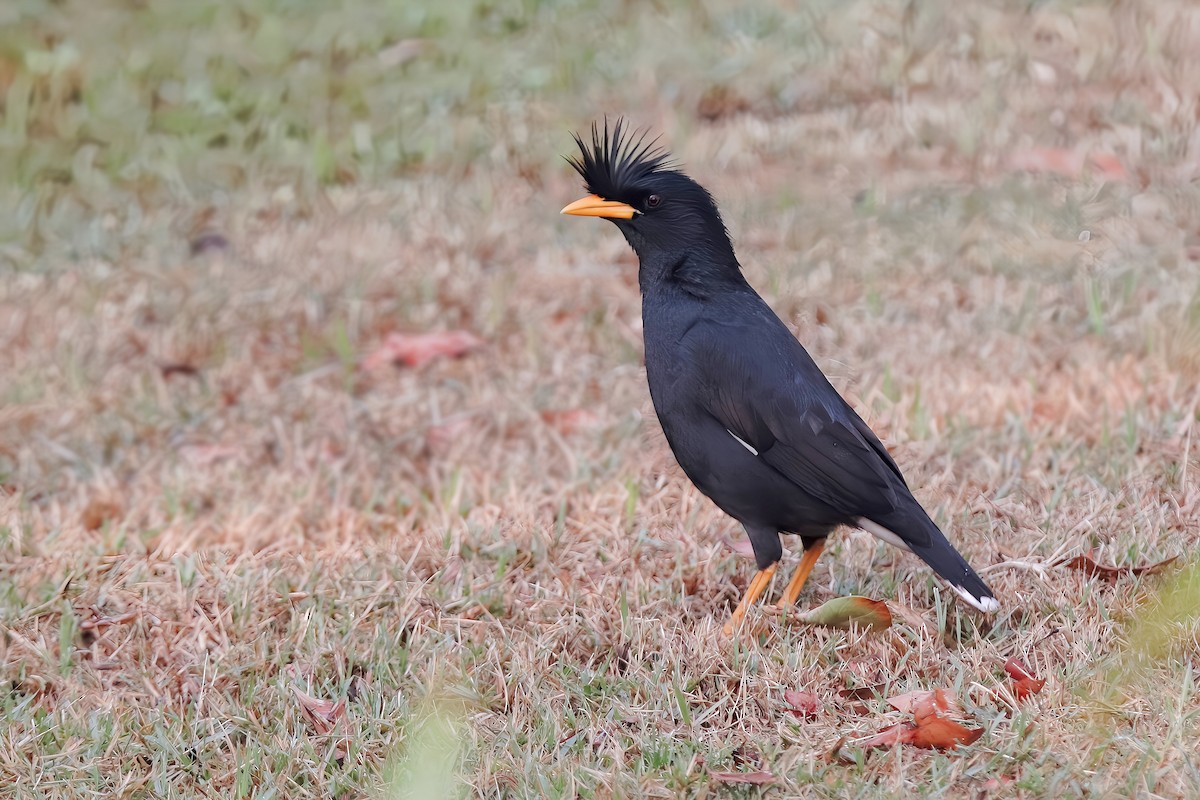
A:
x: 205, y: 501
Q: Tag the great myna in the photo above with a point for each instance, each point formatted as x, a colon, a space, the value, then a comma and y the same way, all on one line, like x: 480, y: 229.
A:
x: 748, y: 414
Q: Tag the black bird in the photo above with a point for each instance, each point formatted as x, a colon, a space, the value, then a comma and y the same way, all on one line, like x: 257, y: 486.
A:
x: 748, y: 414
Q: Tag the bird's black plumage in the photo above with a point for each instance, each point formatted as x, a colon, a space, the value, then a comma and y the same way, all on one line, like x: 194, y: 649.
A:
x: 748, y: 414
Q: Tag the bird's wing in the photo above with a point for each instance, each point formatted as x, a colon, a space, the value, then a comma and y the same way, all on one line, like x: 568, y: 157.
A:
x: 770, y: 394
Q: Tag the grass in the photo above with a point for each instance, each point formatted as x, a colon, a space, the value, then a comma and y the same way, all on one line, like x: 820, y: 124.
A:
x: 215, y: 525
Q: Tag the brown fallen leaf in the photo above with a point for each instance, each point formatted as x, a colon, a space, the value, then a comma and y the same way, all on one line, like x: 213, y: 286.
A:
x: 98, y: 511
x: 323, y: 715
x: 939, y: 733
x: 915, y: 619
x: 939, y: 700
x: 803, y: 704
x: 863, y: 693
x: 179, y: 368
x: 415, y: 349
x: 900, y: 733
x: 929, y: 728
x: 760, y: 778
x: 1025, y: 682
x: 842, y: 612
x: 935, y: 731
x: 1087, y: 563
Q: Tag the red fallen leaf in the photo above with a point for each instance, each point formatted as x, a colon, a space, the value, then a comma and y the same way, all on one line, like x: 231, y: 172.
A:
x: 1088, y: 564
x: 760, y: 778
x: 742, y: 546
x: 568, y: 421
x: 1025, y: 682
x: 803, y: 704
x: 415, y: 349
x: 923, y: 702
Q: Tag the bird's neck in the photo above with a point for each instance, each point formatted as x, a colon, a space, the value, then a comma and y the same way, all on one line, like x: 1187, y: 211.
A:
x: 700, y: 270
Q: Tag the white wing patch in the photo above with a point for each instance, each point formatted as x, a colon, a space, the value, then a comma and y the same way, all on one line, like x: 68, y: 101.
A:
x: 742, y: 441
x: 880, y: 532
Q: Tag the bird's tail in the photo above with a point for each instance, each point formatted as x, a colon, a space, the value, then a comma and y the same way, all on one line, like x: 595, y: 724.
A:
x: 919, y: 534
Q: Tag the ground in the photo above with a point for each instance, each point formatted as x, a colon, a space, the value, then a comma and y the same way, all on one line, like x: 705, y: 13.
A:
x: 241, y: 557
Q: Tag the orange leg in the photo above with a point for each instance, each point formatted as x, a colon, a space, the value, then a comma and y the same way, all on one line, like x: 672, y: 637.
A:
x: 807, y: 562
x: 753, y: 592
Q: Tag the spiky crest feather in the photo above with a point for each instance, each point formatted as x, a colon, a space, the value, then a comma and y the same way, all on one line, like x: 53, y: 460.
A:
x: 617, y: 162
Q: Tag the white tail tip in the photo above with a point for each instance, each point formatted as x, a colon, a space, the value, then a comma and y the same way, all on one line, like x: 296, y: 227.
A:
x: 987, y: 605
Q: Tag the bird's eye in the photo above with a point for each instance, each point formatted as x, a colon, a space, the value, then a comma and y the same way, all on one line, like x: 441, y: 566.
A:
x: 653, y: 201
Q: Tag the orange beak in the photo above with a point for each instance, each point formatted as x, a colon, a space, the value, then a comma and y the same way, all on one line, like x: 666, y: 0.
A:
x: 594, y: 206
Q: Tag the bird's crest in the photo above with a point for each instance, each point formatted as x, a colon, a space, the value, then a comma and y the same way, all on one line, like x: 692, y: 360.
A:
x: 617, y: 160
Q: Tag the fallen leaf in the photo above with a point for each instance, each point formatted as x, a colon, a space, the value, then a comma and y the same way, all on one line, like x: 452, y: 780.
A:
x: 915, y: 619
x: 1025, y: 682
x: 179, y: 368
x: 568, y: 421
x: 206, y: 241
x: 99, y: 511
x: 324, y: 715
x: 413, y: 350
x: 935, y: 731
x: 1087, y: 563
x: 900, y: 733
x: 921, y: 701
x: 929, y: 728
x: 803, y: 704
x: 760, y: 778
x: 938, y: 733
x: 863, y: 693
x: 842, y: 612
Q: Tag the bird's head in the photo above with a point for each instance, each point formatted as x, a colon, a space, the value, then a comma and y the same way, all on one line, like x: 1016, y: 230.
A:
x: 663, y: 213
